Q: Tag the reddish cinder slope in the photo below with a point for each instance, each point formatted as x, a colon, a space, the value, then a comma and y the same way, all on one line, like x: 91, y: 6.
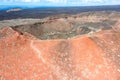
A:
x: 95, y: 57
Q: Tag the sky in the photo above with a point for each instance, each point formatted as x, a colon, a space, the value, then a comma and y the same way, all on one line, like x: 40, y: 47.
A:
x: 60, y: 2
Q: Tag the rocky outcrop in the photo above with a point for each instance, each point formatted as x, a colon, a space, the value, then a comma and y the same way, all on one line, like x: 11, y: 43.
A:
x: 116, y: 26
x: 84, y: 57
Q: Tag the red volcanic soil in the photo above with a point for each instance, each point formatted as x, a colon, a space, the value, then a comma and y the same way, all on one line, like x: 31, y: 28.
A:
x: 85, y: 57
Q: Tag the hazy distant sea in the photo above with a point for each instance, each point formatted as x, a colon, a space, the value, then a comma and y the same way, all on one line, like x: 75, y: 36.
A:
x: 41, y: 12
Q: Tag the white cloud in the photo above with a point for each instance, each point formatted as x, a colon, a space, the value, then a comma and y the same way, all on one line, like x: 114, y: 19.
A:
x: 27, y: 0
x: 87, y: 1
x: 57, y: 1
x: 53, y: 1
x: 31, y: 0
x: 36, y: 0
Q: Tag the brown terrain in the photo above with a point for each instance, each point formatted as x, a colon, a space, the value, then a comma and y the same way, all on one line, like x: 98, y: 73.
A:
x: 67, y: 26
x: 84, y: 46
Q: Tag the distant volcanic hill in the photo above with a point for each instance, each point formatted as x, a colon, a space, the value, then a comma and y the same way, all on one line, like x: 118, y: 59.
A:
x: 14, y: 10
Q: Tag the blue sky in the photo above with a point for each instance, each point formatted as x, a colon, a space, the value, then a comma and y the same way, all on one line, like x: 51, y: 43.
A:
x: 60, y: 2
